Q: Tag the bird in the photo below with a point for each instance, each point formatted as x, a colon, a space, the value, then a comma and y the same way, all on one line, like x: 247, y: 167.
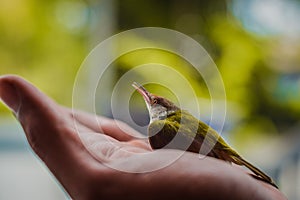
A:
x: 173, y: 128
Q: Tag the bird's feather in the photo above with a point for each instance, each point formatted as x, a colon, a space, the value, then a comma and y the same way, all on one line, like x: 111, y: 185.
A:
x: 181, y: 130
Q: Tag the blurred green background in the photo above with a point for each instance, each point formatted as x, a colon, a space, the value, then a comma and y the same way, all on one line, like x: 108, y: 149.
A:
x: 255, y: 45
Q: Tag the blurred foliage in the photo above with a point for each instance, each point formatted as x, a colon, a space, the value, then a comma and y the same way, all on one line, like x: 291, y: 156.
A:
x: 127, y: 61
x: 38, y: 43
x: 260, y: 73
x: 46, y: 41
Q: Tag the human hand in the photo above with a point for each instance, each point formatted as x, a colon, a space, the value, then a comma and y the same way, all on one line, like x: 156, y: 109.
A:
x: 79, y: 156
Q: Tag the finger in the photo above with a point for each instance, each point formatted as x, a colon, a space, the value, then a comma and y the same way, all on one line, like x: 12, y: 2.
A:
x: 38, y: 114
x: 49, y: 133
x: 113, y: 128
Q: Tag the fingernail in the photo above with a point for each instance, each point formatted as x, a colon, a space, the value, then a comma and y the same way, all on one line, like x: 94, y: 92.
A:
x: 10, y: 96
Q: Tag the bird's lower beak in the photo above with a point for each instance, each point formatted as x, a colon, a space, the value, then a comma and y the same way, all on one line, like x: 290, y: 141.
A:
x: 146, y: 95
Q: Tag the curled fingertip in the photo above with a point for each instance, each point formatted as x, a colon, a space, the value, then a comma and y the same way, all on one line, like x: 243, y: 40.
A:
x: 10, y: 96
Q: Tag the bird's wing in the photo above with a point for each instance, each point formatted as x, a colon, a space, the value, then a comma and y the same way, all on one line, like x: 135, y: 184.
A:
x: 161, y: 133
x: 169, y: 134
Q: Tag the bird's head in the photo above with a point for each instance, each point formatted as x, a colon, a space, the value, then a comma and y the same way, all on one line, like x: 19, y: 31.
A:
x: 159, y: 107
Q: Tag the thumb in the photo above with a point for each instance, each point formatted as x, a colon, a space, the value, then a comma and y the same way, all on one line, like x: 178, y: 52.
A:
x: 35, y: 111
x: 49, y: 131
x: 24, y: 99
x: 8, y: 94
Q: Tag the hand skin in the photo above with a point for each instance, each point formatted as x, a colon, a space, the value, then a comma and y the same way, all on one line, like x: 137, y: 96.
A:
x: 51, y: 133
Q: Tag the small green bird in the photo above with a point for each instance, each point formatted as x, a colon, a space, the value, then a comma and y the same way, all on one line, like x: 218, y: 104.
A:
x: 171, y: 127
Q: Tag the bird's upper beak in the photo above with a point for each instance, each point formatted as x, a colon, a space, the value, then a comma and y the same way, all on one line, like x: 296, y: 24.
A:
x: 146, y: 95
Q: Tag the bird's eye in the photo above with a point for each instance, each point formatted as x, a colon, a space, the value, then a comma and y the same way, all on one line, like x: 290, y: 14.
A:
x: 154, y: 101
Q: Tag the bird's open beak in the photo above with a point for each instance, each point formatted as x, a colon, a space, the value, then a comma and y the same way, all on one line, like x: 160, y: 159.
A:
x: 146, y: 95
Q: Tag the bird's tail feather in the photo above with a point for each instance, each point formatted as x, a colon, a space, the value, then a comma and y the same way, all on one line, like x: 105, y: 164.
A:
x: 260, y: 175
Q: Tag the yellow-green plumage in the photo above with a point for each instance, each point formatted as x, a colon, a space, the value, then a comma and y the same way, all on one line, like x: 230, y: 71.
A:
x: 171, y: 127
x: 191, y: 133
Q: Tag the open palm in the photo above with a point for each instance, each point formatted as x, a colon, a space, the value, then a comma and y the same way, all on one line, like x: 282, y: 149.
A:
x: 84, y: 151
